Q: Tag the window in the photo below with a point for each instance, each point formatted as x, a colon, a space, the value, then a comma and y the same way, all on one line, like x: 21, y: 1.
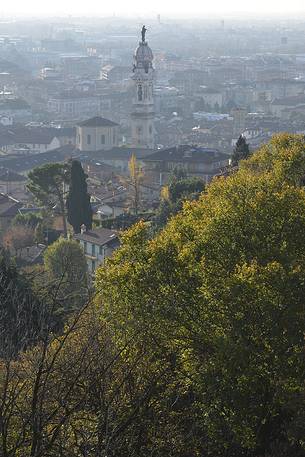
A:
x: 93, y: 266
x: 103, y: 139
x: 88, y: 139
x: 140, y: 93
x: 93, y: 249
x: 85, y: 247
x: 78, y: 138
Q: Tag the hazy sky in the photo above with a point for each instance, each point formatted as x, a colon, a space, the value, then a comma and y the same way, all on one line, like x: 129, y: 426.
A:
x: 149, y: 7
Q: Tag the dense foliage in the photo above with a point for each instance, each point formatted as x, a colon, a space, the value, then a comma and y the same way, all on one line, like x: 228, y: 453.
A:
x: 194, y: 344
x: 66, y: 266
x: 180, y: 189
x: 47, y: 184
x: 30, y: 219
x: 19, y: 309
x: 221, y: 291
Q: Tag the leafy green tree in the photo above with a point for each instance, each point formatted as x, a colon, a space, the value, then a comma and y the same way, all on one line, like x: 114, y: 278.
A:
x: 177, y: 173
x: 19, y: 309
x: 47, y: 184
x: 87, y: 396
x: 185, y: 188
x: 194, y: 344
x: 220, y: 291
x: 18, y: 237
x: 78, y: 200
x: 40, y: 233
x: 28, y: 219
x: 179, y: 190
x: 241, y: 151
x: 66, y: 265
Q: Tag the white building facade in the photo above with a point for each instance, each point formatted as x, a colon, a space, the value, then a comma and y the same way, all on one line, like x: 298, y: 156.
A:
x: 97, y: 245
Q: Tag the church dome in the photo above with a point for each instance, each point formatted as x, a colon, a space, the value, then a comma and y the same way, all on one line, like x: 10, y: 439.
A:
x: 143, y: 56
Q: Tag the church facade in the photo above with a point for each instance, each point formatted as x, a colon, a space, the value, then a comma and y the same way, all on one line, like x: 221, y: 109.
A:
x: 142, y: 116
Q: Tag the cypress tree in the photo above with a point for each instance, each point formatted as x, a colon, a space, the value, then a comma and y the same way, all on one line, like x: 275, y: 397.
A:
x: 78, y: 200
x: 241, y: 151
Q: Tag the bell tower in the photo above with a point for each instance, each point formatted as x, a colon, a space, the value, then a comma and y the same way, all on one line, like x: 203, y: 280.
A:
x: 142, y: 116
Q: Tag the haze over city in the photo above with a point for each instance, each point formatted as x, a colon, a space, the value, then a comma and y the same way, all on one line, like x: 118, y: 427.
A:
x: 193, y: 8
x: 152, y: 228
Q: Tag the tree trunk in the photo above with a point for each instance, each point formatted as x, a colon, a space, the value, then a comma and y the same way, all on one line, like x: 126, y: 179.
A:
x: 63, y: 213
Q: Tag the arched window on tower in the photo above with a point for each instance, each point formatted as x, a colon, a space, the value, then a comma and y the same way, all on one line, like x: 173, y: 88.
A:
x: 140, y: 93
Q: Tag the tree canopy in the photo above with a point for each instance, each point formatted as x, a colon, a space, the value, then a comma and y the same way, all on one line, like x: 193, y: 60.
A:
x: 47, y: 184
x: 179, y: 190
x: 221, y: 290
x: 66, y: 265
x: 30, y: 219
x: 19, y: 309
x: 194, y: 343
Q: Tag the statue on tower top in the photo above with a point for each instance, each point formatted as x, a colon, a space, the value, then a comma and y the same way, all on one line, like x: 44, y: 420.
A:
x: 143, y: 32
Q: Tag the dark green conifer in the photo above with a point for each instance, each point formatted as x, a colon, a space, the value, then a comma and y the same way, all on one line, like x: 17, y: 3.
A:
x: 241, y: 151
x: 78, y: 200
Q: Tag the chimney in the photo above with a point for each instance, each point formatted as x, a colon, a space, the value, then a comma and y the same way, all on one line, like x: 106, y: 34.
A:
x: 83, y: 229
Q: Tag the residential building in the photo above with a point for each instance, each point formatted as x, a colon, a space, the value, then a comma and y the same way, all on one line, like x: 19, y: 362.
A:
x: 74, y: 103
x: 16, y: 109
x: 195, y: 161
x: 98, y: 244
x: 11, y: 182
x: 278, y: 106
x: 118, y: 157
x: 114, y: 74
x: 80, y: 66
x: 25, y: 140
x: 22, y: 164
